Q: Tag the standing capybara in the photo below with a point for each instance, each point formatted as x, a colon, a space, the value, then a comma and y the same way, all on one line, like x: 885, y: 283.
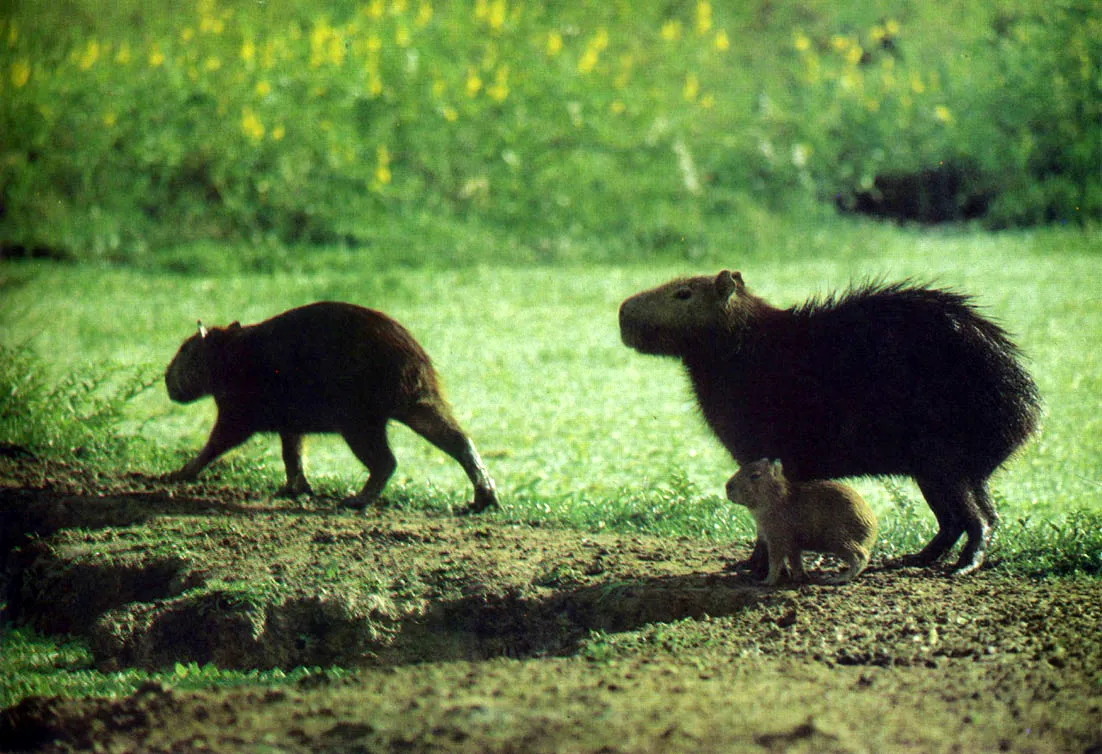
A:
x: 324, y: 367
x: 884, y: 379
x: 818, y: 516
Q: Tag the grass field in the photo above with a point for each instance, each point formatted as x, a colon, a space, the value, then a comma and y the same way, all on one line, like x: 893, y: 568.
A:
x: 574, y: 426
x: 499, y: 176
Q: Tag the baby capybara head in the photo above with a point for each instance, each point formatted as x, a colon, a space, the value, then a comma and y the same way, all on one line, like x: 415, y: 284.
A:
x: 188, y: 375
x: 670, y: 319
x: 758, y: 483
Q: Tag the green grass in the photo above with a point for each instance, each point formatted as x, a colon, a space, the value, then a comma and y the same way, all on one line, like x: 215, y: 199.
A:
x: 35, y: 665
x: 576, y: 428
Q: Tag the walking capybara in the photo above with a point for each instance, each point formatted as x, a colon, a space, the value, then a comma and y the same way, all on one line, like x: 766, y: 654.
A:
x: 324, y: 367
x: 884, y: 379
x: 818, y: 516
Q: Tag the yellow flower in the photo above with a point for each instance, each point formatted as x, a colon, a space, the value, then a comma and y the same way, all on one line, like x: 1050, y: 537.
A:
x: 497, y: 14
x: 156, y: 57
x: 703, y: 17
x: 248, y: 51
x: 708, y: 101
x: 90, y: 55
x: 588, y: 61
x: 20, y: 72
x: 109, y: 119
x: 375, y: 9
x: 382, y: 166
x: 402, y: 37
x: 474, y: 83
x: 854, y: 54
x: 600, y: 40
x: 721, y: 42
x: 617, y: 107
x: 263, y: 88
x: 877, y: 33
x: 122, y: 57
x: 424, y: 14
x: 942, y: 113
x: 251, y: 124
x: 450, y: 114
x: 554, y: 43
x: 499, y: 90
x: 801, y: 42
x: 187, y: 34
x: 671, y: 31
x: 891, y: 26
x: 691, y: 88
x: 278, y: 133
x: 211, y: 64
x: 916, y: 84
x: 840, y: 43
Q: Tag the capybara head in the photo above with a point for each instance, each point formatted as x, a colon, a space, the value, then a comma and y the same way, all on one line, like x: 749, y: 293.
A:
x: 188, y: 377
x: 758, y: 483
x: 670, y: 319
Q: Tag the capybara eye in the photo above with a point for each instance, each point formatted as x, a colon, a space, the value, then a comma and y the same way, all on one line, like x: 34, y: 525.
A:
x: 683, y: 293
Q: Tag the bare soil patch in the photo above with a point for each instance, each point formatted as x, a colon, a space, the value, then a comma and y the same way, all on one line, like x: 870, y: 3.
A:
x: 475, y: 634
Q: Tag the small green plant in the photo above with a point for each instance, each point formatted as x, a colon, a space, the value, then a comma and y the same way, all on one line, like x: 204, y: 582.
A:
x: 78, y: 415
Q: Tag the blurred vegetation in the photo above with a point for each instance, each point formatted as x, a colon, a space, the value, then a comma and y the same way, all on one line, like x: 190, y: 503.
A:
x: 127, y: 127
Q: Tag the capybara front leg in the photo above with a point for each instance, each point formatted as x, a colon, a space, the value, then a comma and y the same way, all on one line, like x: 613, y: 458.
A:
x: 225, y: 436
x: 371, y: 447
x: 436, y: 424
x: 292, y: 461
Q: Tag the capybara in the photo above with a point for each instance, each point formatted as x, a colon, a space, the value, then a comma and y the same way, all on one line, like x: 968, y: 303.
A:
x: 323, y: 367
x: 818, y: 516
x: 883, y: 379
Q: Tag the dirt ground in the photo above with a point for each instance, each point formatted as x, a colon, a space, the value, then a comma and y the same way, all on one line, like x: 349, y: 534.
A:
x: 470, y: 634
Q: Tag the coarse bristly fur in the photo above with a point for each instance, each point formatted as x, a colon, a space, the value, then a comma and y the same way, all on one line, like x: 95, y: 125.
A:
x: 817, y: 516
x: 882, y: 379
x: 323, y: 367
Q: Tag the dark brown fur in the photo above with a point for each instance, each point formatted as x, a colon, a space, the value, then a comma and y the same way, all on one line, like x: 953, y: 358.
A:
x: 324, y: 367
x: 885, y: 379
x: 817, y: 516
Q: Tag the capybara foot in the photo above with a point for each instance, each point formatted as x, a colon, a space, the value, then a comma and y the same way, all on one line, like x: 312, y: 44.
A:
x: 484, y: 500
x: 293, y: 490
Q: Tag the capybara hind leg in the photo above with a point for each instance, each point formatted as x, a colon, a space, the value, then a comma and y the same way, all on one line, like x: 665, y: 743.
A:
x: 436, y: 424
x: 226, y: 435
x: 978, y: 527
x: 856, y: 560
x: 371, y: 447
x: 292, y: 461
x: 986, y: 505
x: 945, y: 503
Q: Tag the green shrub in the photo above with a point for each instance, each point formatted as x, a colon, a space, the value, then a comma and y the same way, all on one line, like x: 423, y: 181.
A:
x: 139, y: 127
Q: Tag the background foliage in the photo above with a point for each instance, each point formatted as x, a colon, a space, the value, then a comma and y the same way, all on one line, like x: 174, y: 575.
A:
x: 129, y: 127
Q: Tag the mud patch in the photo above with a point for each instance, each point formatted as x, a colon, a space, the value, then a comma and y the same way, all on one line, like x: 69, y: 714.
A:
x: 475, y: 634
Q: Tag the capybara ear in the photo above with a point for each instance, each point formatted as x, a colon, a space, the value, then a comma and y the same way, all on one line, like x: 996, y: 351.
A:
x: 202, y: 330
x: 235, y: 325
x: 728, y: 282
x: 776, y: 467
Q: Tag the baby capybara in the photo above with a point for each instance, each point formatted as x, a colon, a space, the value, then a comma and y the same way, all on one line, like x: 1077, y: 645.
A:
x: 324, y: 367
x: 817, y: 516
x: 884, y: 379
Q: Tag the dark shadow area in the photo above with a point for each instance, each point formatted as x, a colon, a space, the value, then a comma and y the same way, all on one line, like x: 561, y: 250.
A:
x: 947, y: 193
